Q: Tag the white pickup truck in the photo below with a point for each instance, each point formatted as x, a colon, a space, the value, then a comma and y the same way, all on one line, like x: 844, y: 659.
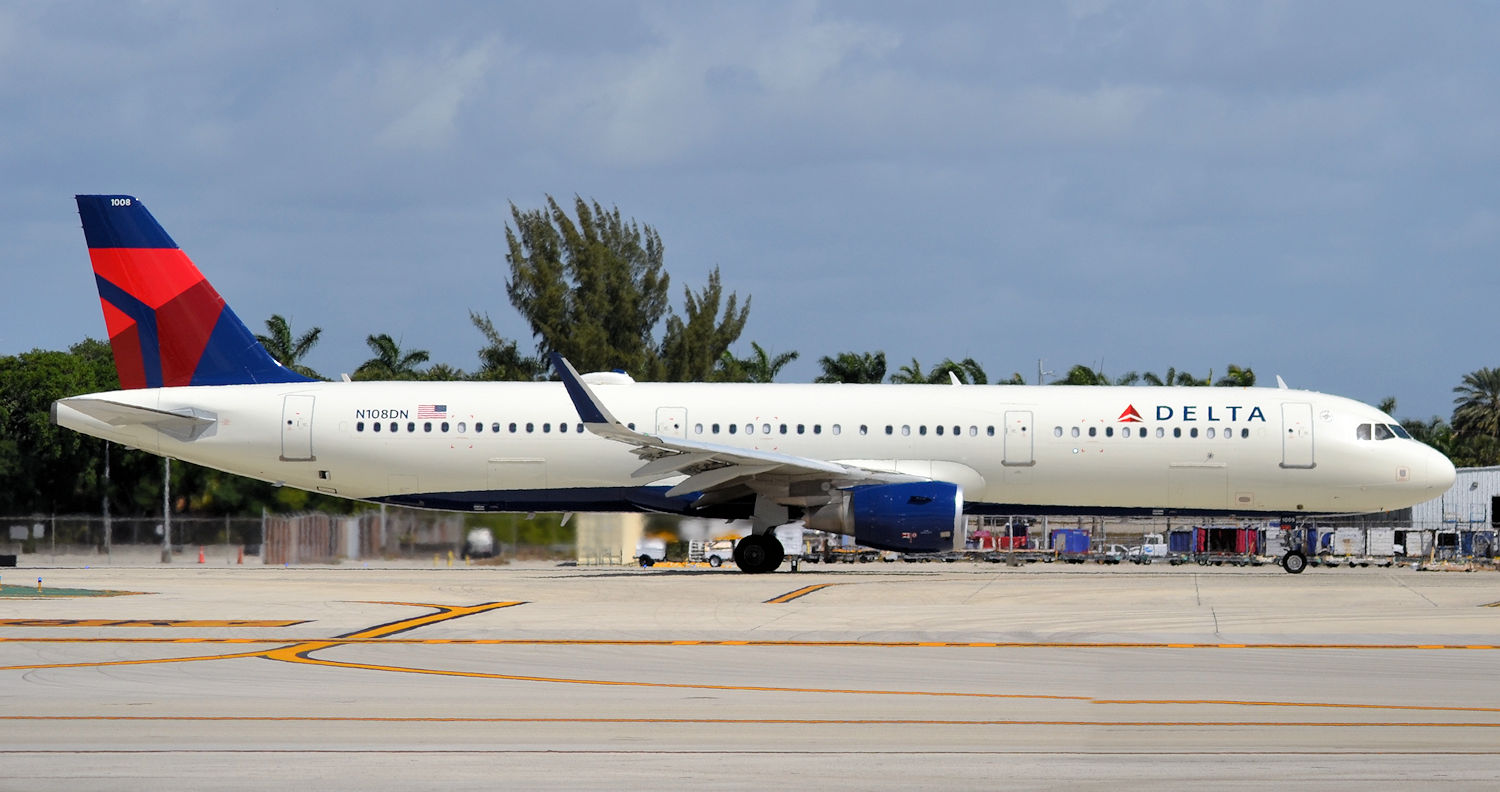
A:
x: 1153, y: 547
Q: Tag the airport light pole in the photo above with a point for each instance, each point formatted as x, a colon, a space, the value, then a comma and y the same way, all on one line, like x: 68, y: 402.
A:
x: 107, y: 555
x: 166, y: 510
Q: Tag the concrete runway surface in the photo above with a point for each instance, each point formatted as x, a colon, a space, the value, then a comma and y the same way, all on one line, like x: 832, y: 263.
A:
x: 864, y: 677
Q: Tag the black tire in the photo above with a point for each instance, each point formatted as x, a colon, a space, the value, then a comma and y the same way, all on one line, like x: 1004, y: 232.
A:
x: 645, y: 560
x: 715, y: 561
x: 1294, y: 562
x: 757, y: 554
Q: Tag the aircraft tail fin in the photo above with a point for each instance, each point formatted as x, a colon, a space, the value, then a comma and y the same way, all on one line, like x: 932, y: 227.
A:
x: 167, y: 326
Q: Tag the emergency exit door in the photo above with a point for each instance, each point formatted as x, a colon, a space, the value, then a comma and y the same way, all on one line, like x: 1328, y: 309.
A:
x: 1018, y: 442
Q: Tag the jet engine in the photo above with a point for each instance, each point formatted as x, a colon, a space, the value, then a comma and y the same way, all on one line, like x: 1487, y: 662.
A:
x: 914, y: 517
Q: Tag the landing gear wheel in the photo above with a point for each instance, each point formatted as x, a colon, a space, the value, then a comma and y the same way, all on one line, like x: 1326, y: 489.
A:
x: 758, y: 553
x: 1294, y: 562
x: 645, y: 560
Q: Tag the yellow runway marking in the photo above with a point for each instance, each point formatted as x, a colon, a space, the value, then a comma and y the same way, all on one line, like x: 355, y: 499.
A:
x: 751, y: 721
x: 145, y: 623
x: 300, y: 651
x: 801, y: 592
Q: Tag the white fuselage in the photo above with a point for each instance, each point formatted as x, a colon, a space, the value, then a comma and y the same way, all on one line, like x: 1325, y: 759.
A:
x: 520, y: 446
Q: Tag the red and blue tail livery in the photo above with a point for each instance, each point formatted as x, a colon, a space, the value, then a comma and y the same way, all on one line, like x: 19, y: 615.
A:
x: 167, y: 325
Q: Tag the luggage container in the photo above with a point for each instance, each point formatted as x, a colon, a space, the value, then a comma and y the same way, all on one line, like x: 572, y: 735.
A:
x: 1070, y: 541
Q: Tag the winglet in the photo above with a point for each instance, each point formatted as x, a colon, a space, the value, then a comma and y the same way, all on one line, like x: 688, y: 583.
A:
x: 590, y: 409
x: 1280, y: 383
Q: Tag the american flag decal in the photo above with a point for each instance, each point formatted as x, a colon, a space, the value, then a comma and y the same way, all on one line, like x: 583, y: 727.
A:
x: 432, y: 411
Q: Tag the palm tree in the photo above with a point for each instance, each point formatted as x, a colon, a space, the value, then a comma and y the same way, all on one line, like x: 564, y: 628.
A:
x: 1174, y: 377
x: 390, y: 362
x: 910, y: 374
x: 1238, y: 377
x: 1082, y: 375
x: 967, y: 370
x: 853, y: 367
x: 1478, y: 400
x: 284, y: 349
x: 760, y: 366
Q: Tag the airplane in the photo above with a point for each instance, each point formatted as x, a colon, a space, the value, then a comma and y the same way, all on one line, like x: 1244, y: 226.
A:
x: 895, y: 466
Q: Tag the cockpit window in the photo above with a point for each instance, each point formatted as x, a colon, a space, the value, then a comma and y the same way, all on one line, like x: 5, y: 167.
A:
x: 1381, y: 432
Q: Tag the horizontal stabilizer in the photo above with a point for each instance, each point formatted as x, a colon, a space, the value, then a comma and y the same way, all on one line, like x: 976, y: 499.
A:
x: 182, y: 425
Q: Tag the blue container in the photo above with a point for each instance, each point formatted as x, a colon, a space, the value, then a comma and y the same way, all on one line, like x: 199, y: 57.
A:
x: 1477, y: 543
x: 1070, y: 540
x: 1180, y: 542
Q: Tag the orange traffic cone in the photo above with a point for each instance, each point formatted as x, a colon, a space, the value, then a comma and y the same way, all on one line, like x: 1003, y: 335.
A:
x: 200, y: 555
x: 241, y: 559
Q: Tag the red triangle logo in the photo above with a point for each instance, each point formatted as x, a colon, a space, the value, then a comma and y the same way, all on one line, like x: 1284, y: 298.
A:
x: 1130, y: 415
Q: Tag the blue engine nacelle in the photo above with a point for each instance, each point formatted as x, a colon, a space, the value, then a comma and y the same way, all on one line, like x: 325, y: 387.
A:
x: 916, y: 517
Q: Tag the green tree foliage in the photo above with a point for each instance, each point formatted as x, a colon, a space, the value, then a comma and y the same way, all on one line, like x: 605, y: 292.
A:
x: 866, y: 367
x: 1477, y: 405
x: 759, y: 366
x: 499, y: 359
x: 289, y: 351
x: 692, y: 346
x: 967, y: 370
x: 1174, y: 377
x: 391, y: 362
x: 1237, y: 377
x: 1083, y: 375
x: 595, y: 290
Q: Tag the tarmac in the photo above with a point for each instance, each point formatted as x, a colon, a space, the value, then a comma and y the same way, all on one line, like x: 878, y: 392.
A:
x: 872, y: 676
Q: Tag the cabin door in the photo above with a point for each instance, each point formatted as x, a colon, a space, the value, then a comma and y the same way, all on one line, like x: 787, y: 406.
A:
x: 1018, y: 439
x: 671, y: 421
x: 1297, y: 435
x: 296, y: 429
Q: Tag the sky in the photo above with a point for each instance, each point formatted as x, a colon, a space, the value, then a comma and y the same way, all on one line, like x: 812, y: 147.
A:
x: 1309, y: 189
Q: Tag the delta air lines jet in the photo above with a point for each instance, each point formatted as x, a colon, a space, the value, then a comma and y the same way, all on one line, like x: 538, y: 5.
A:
x: 895, y: 466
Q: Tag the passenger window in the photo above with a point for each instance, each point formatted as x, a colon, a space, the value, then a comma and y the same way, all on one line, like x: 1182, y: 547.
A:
x: 479, y: 426
x: 1177, y: 431
x: 395, y: 426
x: 973, y: 431
x: 749, y: 429
x: 922, y: 430
x: 955, y: 430
x: 531, y: 427
x: 411, y: 426
x: 990, y: 431
x: 1193, y: 432
x: 697, y: 428
x: 546, y: 428
x: 817, y: 428
x: 837, y: 430
x: 801, y: 429
x: 495, y: 427
x: 1210, y: 433
x: 1160, y: 432
x: 1244, y: 433
x: 714, y: 429
x: 905, y: 430
x: 765, y: 428
x: 359, y: 427
x: 864, y: 429
x: 1109, y: 431
x: 1076, y: 431
x: 444, y: 426
x: 512, y: 428
x: 1093, y: 431
x: 427, y: 426
x: 463, y: 427
x: 562, y: 427
x: 733, y: 428
x: 375, y: 426
x: 889, y: 428
x: 783, y: 428
x: 1057, y: 431
x: 1363, y: 432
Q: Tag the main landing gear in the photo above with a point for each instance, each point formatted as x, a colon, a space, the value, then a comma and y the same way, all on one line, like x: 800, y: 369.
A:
x: 758, y: 553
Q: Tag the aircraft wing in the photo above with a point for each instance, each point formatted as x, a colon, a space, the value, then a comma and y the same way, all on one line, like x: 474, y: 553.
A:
x: 183, y: 425
x: 717, y: 471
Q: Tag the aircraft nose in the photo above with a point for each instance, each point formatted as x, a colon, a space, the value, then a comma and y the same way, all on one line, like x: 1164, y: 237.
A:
x: 1440, y: 471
